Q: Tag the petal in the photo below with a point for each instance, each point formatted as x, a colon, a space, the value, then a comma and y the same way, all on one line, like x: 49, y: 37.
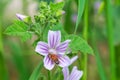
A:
x: 62, y: 48
x: 68, y: 51
x: 42, y: 48
x: 65, y: 73
x: 63, y: 61
x: 75, y: 74
x: 73, y: 59
x: 48, y: 63
x: 54, y: 38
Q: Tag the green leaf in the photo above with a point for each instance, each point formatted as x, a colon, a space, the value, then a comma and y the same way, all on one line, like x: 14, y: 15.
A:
x: 19, y: 28
x: 81, y: 6
x: 78, y: 44
x: 56, y: 6
x: 36, y: 73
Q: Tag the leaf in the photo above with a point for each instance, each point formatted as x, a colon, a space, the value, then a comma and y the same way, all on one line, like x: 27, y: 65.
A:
x: 78, y: 44
x: 36, y: 73
x: 19, y: 28
x: 81, y: 6
x: 56, y: 6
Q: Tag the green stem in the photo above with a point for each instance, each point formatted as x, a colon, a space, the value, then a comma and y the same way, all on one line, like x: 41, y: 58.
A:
x: 49, y: 74
x: 3, y: 71
x: 108, y: 9
x: 117, y: 50
x: 97, y: 57
x: 85, y: 35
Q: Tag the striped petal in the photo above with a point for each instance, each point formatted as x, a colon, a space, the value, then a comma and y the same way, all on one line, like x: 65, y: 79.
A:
x: 63, y: 61
x: 75, y: 74
x: 42, y: 48
x: 62, y: 48
x: 48, y: 63
x: 65, y: 73
x: 73, y: 59
x: 54, y: 38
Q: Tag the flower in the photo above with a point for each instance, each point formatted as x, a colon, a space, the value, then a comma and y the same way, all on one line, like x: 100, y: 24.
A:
x: 75, y: 74
x: 54, y: 51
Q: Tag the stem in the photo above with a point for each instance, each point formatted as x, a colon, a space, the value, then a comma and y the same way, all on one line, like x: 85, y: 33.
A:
x: 110, y: 38
x: 49, y: 74
x: 85, y: 35
x: 3, y: 71
x: 117, y: 50
x: 97, y: 57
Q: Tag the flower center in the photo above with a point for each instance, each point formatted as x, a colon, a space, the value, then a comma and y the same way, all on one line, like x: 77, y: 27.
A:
x: 52, y: 51
x: 53, y: 56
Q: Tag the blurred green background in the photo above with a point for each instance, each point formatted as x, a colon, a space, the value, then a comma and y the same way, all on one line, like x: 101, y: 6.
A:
x: 18, y: 59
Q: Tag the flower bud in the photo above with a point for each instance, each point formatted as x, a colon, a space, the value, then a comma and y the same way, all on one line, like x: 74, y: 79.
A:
x: 26, y: 19
x: 60, y: 12
x: 21, y: 17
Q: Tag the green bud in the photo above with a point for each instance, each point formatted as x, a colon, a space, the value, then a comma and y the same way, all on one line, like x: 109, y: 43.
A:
x: 60, y: 12
x: 37, y: 19
x: 27, y: 20
x: 43, y: 4
x: 53, y: 21
x: 41, y: 16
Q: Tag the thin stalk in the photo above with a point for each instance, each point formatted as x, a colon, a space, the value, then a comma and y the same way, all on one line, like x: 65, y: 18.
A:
x: 85, y: 35
x: 97, y: 57
x: 3, y: 71
x: 108, y: 9
x: 49, y: 75
x: 117, y: 50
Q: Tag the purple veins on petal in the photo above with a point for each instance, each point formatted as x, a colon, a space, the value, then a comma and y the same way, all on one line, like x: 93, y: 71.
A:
x: 48, y: 63
x: 75, y: 74
x: 63, y: 61
x: 54, y: 38
x: 65, y: 73
x: 42, y: 48
x: 62, y: 47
